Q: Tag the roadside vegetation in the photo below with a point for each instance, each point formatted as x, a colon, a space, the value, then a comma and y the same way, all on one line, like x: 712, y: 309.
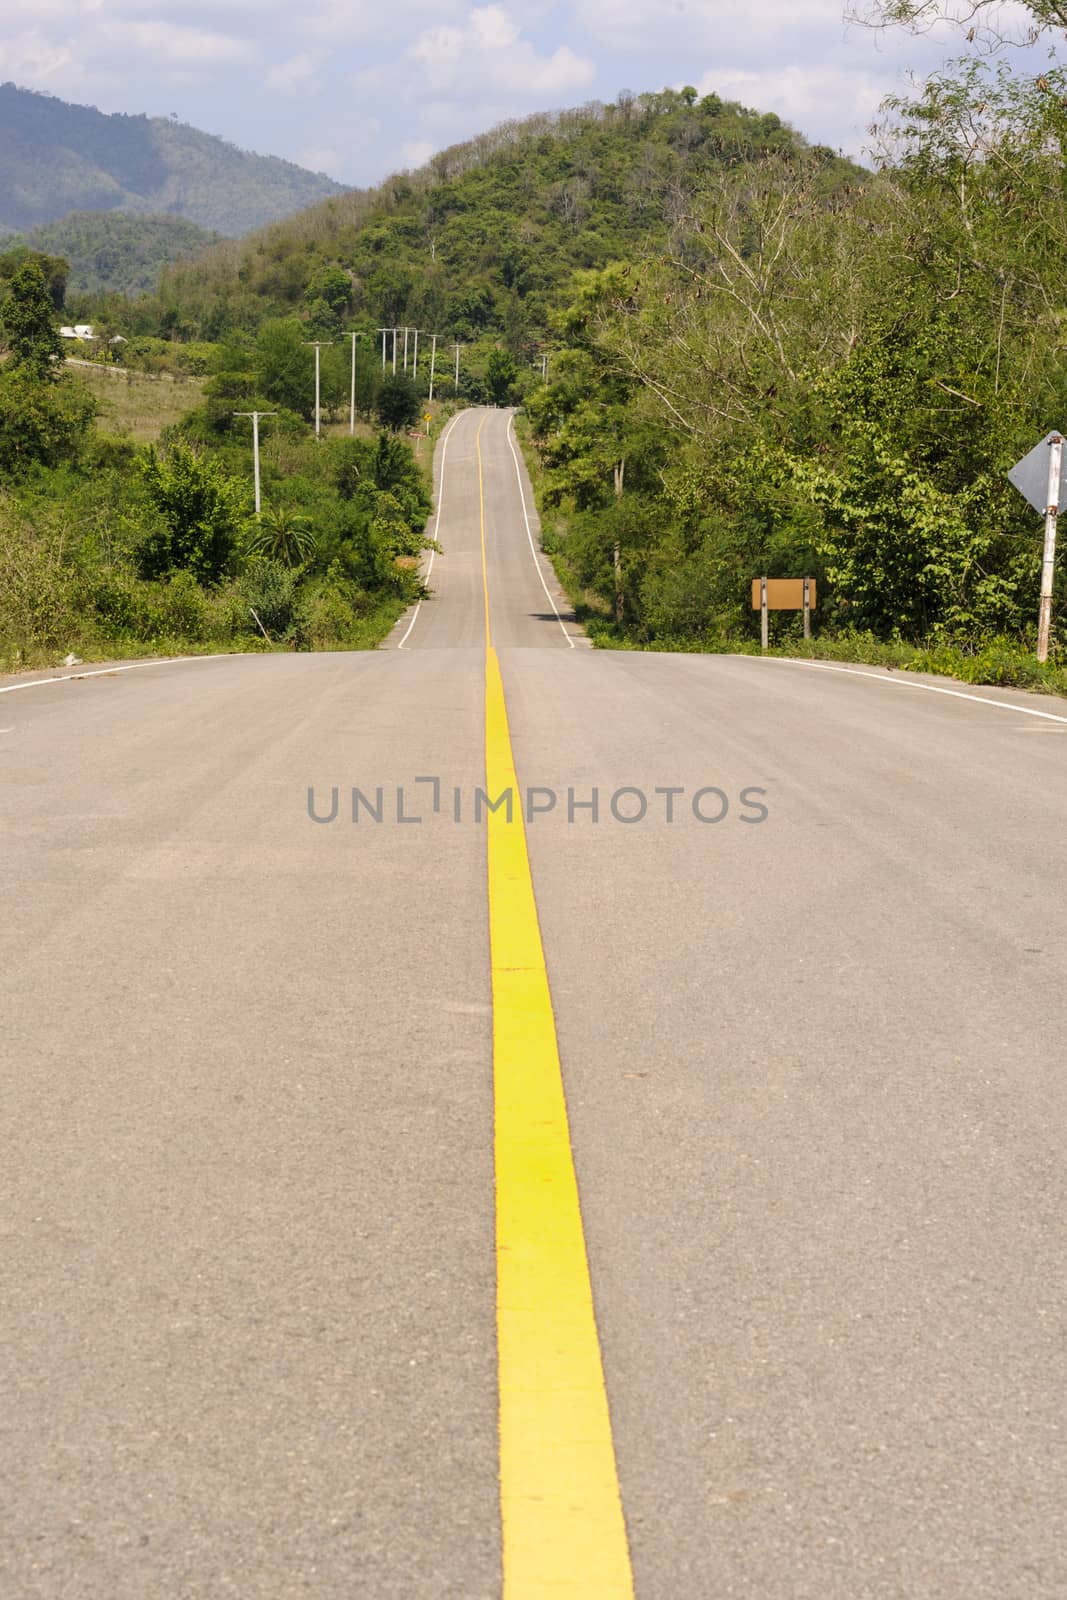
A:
x: 111, y: 547
x: 827, y: 379
x: 736, y: 354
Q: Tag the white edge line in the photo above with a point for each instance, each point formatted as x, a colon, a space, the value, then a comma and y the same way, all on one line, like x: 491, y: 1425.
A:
x: 904, y: 682
x: 133, y: 666
x: 529, y: 532
x: 437, y: 520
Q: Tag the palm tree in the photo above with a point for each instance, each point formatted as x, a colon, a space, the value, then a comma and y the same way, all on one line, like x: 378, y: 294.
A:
x: 282, y: 534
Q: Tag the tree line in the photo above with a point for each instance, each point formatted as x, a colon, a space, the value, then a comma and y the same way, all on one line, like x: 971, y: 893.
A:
x: 108, y: 547
x: 826, y: 378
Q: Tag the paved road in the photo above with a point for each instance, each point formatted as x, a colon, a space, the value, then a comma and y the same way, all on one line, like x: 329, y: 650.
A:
x: 814, y: 1067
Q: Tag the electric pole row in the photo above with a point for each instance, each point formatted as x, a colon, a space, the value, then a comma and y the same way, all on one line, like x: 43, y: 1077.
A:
x: 317, y: 345
x: 255, y: 415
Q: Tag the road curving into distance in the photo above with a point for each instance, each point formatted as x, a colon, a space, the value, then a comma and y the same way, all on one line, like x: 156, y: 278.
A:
x: 298, y: 1291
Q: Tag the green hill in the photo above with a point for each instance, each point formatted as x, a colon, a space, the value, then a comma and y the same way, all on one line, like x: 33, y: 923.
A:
x: 482, y: 239
x: 56, y: 158
x: 112, y: 252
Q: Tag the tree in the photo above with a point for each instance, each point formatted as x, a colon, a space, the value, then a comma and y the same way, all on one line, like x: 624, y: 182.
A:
x: 983, y: 21
x: 500, y: 374
x: 56, y: 269
x: 327, y: 295
x: 41, y: 423
x: 284, y: 368
x: 397, y: 402
x: 29, y: 322
x: 200, y: 515
x: 282, y: 535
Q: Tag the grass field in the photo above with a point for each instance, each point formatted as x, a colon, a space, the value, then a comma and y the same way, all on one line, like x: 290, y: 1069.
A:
x: 141, y: 406
x: 135, y: 404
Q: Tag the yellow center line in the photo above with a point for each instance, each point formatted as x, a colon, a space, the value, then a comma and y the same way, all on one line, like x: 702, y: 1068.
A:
x: 563, y: 1527
x: 481, y: 514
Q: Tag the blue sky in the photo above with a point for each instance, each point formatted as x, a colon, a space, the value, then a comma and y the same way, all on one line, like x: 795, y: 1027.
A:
x: 358, y: 88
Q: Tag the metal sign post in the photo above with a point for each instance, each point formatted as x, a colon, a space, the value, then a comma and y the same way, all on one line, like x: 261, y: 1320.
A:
x: 783, y: 594
x: 1048, y: 563
x: 1039, y: 478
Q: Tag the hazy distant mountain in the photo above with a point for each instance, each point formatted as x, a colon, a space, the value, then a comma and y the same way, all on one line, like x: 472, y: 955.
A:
x: 56, y: 158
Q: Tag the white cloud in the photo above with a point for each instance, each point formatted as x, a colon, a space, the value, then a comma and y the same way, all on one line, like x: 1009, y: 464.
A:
x: 829, y: 105
x: 416, y: 153
x: 32, y: 57
x: 289, y: 77
x: 364, y: 21
x: 443, y: 70
x: 320, y: 158
x: 170, y: 44
x: 486, y: 54
x: 727, y: 26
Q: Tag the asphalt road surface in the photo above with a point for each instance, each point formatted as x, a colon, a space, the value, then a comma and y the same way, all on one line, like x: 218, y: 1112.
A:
x: 813, y: 1055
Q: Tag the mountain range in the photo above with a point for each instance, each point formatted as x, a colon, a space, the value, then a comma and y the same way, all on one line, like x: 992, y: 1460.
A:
x: 56, y: 158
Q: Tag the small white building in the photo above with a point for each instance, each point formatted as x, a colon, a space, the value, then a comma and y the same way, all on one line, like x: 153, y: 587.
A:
x: 83, y: 331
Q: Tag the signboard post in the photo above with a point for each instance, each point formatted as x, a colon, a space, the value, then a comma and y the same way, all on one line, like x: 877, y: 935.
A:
x: 1048, y: 561
x: 1039, y: 478
x: 783, y: 594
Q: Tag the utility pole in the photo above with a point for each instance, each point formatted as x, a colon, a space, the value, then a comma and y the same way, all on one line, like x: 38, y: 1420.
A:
x: 352, y: 399
x: 255, y: 415
x: 316, y: 345
x: 433, y: 361
x: 415, y: 363
x: 459, y: 347
x: 395, y: 332
x: 406, y: 332
x: 1048, y: 564
x: 383, y: 332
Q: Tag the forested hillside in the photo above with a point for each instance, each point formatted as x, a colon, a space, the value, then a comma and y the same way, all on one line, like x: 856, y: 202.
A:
x: 760, y: 358
x: 482, y: 240
x: 111, y: 252
x: 830, y: 384
x: 56, y: 157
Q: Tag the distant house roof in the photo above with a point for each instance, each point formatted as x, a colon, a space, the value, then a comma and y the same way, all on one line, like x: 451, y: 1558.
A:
x: 84, y: 331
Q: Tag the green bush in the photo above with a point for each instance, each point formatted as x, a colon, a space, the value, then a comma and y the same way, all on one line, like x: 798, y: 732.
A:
x: 39, y: 608
x: 328, y: 615
x: 183, y: 608
x: 199, y: 511
x: 270, y: 588
x: 42, y: 422
x: 397, y: 402
x: 120, y: 604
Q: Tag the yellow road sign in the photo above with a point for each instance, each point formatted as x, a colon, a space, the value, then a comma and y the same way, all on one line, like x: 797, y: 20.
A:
x: 783, y: 594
